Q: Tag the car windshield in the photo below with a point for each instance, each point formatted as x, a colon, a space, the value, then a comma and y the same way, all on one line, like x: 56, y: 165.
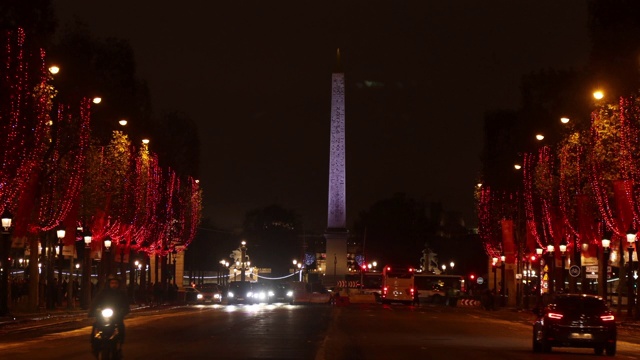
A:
x: 580, y: 304
x: 240, y: 285
x: 209, y: 288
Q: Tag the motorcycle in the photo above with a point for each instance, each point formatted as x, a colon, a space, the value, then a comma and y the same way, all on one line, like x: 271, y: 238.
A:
x: 105, y: 335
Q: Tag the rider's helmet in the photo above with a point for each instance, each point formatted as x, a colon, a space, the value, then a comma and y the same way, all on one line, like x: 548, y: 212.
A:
x: 113, y: 281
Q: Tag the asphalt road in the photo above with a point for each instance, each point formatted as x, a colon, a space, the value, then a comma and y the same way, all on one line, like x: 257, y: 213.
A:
x: 315, y: 332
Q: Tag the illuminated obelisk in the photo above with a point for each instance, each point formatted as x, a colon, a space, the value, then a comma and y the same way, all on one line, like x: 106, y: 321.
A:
x: 337, y: 233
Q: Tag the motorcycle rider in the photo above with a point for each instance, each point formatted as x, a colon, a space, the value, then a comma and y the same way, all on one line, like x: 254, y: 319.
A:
x: 114, y: 297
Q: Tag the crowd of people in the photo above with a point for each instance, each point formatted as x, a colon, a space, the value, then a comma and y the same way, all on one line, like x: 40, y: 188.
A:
x: 54, y: 294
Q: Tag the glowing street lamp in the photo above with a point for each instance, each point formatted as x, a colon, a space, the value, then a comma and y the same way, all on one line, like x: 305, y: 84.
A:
x: 598, y: 95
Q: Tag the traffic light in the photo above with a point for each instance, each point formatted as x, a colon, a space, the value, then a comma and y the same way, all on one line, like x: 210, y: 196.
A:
x: 472, y: 277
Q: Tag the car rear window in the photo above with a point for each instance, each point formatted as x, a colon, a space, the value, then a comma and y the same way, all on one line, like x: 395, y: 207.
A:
x: 581, y: 304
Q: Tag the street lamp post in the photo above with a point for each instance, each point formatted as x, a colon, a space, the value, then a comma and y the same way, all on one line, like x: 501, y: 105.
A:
x: 494, y: 264
x: 222, y: 271
x: 226, y: 275
x: 86, y: 272
x: 631, y: 238
x: 603, y: 269
x: 539, y: 252
x: 563, y: 253
x: 503, y: 262
x: 123, y: 243
x: 107, y: 256
x: 243, y: 252
x: 175, y: 260
x: 6, y: 267
x: 577, y: 261
x: 552, y: 260
x: 60, y: 233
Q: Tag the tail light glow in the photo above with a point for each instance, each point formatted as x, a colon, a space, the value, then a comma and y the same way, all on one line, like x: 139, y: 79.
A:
x: 555, y: 316
x: 608, y: 317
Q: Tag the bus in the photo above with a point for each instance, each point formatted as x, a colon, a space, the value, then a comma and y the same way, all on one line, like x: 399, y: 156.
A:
x: 434, y: 288
x: 397, y: 284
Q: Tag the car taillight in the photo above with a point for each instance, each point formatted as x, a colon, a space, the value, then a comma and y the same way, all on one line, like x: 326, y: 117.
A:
x: 607, y: 317
x: 556, y: 316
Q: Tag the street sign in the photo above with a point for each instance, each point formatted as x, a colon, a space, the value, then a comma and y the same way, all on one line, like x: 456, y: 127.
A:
x: 480, y: 280
x: 574, y: 271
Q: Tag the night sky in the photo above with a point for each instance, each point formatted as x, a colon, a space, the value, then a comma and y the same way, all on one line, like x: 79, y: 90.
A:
x: 256, y: 78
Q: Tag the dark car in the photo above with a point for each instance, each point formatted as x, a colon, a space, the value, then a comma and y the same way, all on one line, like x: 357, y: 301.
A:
x: 240, y: 292
x: 575, y: 320
x: 209, y: 293
x: 281, y: 293
x: 262, y: 293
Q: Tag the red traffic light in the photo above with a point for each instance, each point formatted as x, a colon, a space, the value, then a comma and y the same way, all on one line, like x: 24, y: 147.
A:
x: 472, y: 276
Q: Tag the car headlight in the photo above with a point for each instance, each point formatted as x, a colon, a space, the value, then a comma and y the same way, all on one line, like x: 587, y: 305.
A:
x: 230, y: 294
x: 271, y: 294
x: 289, y: 293
x: 216, y: 296
x: 199, y: 296
x: 249, y: 294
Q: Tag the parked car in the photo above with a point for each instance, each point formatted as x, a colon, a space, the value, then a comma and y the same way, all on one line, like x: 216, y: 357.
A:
x: 209, y: 293
x: 240, y: 292
x: 575, y: 320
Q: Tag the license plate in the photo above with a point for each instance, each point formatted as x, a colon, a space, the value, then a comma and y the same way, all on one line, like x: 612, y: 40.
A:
x: 582, y: 336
